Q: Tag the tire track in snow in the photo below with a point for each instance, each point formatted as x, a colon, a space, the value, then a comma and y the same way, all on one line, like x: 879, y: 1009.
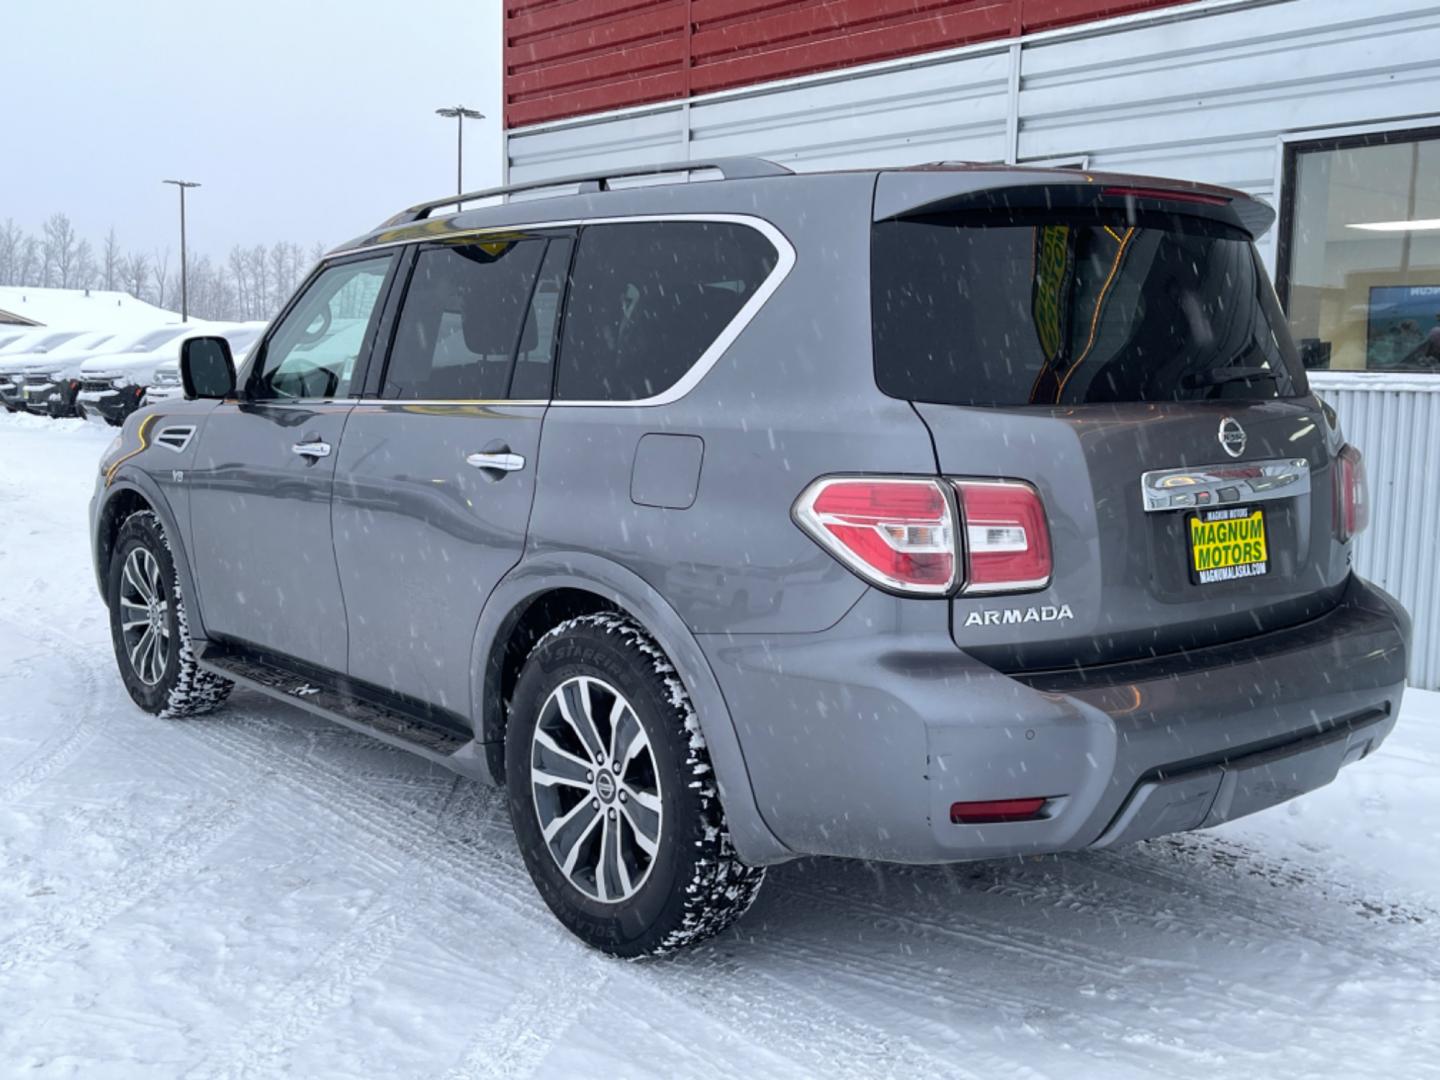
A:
x: 895, y: 979
x: 55, y: 753
x: 1276, y: 913
x: 166, y: 857
x: 481, y: 861
x: 512, y: 1044
x: 1063, y: 951
x: 327, y: 983
x: 372, y: 817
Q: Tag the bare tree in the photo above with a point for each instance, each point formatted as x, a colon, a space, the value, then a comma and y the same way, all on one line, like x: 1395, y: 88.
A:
x: 58, y: 251
x: 240, y: 279
x: 135, y: 273
x: 160, y: 271
x: 282, y: 262
x: 110, y: 259
x: 85, y: 271
x: 260, y: 275
x: 28, y: 265
x: 12, y: 239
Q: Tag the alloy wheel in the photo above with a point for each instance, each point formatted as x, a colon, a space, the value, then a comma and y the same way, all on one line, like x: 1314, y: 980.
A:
x: 144, y: 616
x: 596, y: 789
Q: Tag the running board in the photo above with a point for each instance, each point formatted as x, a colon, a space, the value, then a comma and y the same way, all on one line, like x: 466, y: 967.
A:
x: 390, y: 726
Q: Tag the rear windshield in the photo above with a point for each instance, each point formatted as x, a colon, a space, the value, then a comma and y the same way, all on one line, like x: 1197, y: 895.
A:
x: 1048, y: 308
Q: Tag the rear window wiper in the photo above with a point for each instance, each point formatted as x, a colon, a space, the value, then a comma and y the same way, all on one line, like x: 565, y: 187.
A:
x: 1221, y: 376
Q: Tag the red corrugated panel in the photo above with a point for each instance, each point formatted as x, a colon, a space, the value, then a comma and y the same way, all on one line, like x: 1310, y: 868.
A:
x: 740, y: 42
x: 568, y: 58
x: 1045, y: 14
x: 571, y: 57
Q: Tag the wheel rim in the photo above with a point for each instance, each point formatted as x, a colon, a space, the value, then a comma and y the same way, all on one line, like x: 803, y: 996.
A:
x: 144, y: 616
x: 596, y: 789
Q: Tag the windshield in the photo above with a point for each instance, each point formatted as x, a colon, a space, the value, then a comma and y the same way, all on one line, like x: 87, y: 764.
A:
x: 1055, y: 308
x: 152, y: 341
x: 47, y: 343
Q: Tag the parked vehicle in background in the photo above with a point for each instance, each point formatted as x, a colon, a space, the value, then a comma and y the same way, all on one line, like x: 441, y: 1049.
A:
x: 16, y: 356
x: 922, y: 515
x: 47, y: 383
x: 113, y: 386
x: 165, y: 386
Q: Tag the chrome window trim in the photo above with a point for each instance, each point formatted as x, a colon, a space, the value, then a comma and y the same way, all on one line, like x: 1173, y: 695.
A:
x: 1176, y: 489
x: 400, y: 403
x: 785, y: 262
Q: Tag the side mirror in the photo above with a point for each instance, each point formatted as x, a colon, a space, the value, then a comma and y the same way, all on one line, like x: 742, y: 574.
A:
x: 207, y: 370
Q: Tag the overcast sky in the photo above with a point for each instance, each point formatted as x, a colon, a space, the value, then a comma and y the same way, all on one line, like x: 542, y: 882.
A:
x: 304, y: 120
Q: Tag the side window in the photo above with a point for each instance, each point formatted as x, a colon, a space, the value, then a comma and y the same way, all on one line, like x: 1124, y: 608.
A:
x: 647, y: 299
x: 315, y: 347
x: 461, y: 321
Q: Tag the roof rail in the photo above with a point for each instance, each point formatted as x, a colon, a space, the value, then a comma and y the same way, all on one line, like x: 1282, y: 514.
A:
x: 731, y: 168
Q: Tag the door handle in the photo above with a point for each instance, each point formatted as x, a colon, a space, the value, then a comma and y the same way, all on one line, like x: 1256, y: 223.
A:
x: 500, y: 460
x: 313, y: 449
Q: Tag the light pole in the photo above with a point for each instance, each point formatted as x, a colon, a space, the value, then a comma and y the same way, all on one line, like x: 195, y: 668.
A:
x: 460, y: 114
x: 184, y: 284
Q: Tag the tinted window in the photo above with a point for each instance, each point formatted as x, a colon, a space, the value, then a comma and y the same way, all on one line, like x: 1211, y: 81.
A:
x: 314, y: 349
x: 646, y: 300
x: 1063, y: 310
x: 460, y: 322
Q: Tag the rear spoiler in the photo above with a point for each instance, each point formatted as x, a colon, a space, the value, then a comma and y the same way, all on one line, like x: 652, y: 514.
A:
x: 938, y: 189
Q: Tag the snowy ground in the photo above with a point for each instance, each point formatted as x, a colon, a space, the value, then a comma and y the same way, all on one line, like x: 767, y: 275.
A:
x: 260, y: 893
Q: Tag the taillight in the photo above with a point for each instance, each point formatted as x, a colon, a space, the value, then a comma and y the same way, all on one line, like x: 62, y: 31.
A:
x: 1007, y: 540
x: 1352, y: 497
x: 895, y: 533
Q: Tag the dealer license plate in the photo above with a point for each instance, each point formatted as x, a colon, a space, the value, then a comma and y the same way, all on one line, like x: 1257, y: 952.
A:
x: 1228, y: 544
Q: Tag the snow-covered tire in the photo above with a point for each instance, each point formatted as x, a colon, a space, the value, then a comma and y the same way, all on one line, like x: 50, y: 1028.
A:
x: 178, y: 686
x: 693, y: 885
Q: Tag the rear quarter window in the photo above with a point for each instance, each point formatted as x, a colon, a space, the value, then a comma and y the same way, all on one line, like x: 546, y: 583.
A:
x: 647, y: 299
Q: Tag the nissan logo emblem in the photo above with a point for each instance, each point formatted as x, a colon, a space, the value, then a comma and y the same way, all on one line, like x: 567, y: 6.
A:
x: 1232, y: 436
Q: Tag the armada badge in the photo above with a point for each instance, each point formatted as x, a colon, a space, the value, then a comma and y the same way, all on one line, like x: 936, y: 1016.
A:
x: 1011, y: 616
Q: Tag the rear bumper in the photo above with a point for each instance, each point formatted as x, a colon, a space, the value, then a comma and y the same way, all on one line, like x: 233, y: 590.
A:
x: 858, y: 740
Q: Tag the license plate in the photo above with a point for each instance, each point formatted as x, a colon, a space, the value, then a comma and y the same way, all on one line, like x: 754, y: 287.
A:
x: 1228, y: 544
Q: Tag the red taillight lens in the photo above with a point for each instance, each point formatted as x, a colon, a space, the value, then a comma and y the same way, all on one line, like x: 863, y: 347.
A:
x: 995, y: 810
x: 1352, y: 496
x: 896, y: 533
x: 1007, y: 540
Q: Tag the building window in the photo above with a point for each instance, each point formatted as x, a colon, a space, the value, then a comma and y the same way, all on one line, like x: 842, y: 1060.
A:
x: 1360, y: 251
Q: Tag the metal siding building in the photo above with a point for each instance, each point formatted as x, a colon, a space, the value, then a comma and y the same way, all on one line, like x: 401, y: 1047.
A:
x: 1223, y: 91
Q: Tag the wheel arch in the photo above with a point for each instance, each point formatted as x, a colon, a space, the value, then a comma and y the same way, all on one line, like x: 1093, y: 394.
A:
x: 574, y: 583
x: 132, y: 492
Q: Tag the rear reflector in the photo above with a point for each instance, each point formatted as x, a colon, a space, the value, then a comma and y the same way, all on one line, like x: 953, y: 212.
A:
x: 1007, y: 540
x: 894, y: 532
x: 1352, y: 495
x: 995, y: 810
x: 1165, y: 195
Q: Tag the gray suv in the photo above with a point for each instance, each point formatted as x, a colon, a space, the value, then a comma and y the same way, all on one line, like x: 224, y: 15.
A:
x: 920, y: 515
